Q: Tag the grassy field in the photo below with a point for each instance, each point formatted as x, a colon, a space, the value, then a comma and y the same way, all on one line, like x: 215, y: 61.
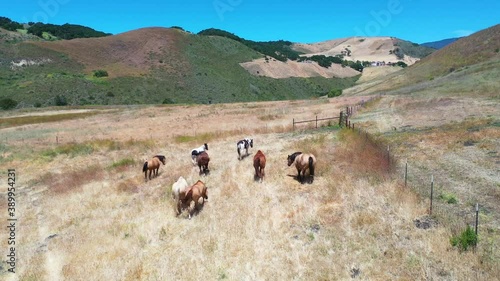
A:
x: 86, y: 213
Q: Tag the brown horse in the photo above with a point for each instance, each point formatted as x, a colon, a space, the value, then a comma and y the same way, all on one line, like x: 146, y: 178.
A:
x: 194, y: 197
x: 153, y: 166
x: 259, y: 163
x: 202, y: 159
x: 303, y: 162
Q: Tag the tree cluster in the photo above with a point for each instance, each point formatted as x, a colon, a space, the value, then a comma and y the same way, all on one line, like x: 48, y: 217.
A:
x: 65, y: 31
x: 8, y: 24
x: 326, y: 61
x: 280, y: 50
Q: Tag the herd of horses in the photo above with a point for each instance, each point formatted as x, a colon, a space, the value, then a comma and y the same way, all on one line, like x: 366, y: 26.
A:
x: 193, y: 197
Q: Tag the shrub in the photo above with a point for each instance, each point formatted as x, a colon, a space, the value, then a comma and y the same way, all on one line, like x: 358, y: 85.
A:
x: 466, y: 239
x: 7, y: 103
x: 448, y: 198
x: 401, y: 63
x: 168, y: 101
x: 334, y: 93
x: 61, y: 100
x: 100, y: 73
x: 123, y: 162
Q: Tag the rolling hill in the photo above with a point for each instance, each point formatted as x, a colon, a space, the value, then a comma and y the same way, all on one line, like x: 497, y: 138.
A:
x: 368, y: 50
x: 150, y: 65
x: 481, y: 50
x: 371, y: 49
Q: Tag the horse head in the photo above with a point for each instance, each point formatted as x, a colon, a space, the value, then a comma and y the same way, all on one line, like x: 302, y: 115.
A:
x: 251, y: 142
x: 206, y: 146
x: 291, y: 158
x: 161, y: 158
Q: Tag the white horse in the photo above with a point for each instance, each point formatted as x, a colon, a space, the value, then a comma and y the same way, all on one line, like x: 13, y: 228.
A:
x: 244, y: 144
x: 179, y: 192
x: 197, y: 151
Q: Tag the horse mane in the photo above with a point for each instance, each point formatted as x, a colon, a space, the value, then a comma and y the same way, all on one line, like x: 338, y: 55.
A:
x: 161, y: 157
x: 294, y: 155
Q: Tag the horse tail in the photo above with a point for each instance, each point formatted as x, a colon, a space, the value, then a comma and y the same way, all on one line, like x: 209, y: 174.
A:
x: 311, y: 166
x: 145, y: 167
x: 257, y: 167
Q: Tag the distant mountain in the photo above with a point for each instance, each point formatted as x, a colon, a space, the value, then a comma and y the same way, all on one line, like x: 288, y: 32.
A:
x: 441, y: 43
x: 482, y: 47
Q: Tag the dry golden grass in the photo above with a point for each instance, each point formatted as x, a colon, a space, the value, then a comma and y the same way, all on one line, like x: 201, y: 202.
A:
x: 353, y: 221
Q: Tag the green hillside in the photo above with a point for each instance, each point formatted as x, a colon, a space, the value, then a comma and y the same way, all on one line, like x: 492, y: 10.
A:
x: 193, y: 69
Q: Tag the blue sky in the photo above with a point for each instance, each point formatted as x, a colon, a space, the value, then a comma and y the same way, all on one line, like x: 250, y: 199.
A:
x: 309, y: 21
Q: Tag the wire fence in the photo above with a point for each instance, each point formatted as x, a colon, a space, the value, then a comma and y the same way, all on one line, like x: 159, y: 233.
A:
x: 443, y: 207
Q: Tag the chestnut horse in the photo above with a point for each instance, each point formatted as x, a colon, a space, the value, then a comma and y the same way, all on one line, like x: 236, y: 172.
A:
x: 202, y: 159
x: 303, y: 162
x: 259, y: 163
x: 195, y: 197
x: 153, y: 166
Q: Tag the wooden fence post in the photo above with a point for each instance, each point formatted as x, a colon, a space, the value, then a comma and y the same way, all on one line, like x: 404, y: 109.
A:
x: 406, y: 172
x: 340, y: 119
x: 477, y: 219
x: 293, y: 124
x: 432, y: 191
x: 388, y: 158
x: 316, y: 121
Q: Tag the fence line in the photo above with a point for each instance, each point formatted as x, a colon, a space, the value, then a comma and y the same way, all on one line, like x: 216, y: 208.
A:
x: 457, y: 220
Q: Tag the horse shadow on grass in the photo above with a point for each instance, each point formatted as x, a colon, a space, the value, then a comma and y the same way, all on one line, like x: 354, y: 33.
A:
x: 257, y: 178
x: 204, y: 172
x: 306, y: 179
x: 243, y: 156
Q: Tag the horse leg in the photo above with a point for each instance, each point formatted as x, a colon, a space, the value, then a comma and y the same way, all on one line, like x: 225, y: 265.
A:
x: 179, y: 206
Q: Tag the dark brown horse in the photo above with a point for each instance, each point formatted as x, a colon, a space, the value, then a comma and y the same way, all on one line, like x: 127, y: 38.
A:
x: 202, y: 159
x: 303, y: 162
x: 259, y: 163
x: 153, y: 166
